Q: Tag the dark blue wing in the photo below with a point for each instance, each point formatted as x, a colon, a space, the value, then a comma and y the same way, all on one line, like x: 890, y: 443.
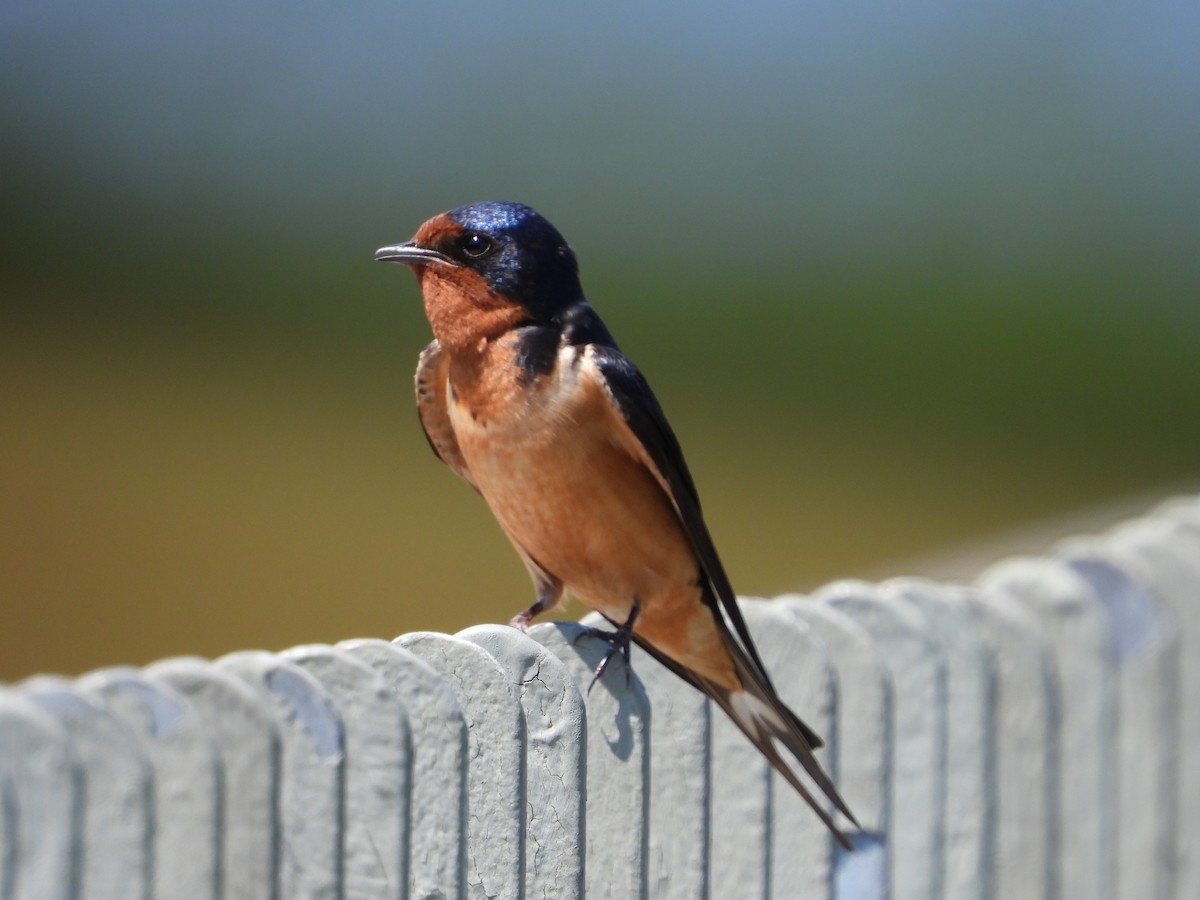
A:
x: 640, y: 410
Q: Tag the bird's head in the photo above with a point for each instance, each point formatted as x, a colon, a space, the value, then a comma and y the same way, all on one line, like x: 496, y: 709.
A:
x: 488, y: 267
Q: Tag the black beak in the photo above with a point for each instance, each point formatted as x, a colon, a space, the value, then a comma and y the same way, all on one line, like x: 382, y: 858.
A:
x: 409, y: 253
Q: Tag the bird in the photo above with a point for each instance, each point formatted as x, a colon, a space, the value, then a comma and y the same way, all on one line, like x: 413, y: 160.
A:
x: 525, y: 395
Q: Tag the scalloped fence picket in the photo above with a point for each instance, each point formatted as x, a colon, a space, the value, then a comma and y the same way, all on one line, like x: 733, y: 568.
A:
x: 1034, y: 734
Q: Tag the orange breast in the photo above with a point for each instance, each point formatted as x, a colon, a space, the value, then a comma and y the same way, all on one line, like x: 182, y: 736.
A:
x: 552, y: 459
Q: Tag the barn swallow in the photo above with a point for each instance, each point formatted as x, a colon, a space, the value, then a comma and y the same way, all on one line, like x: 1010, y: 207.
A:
x: 524, y: 394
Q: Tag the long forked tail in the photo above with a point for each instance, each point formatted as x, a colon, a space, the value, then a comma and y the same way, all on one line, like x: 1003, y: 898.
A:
x: 761, y: 715
x: 764, y: 719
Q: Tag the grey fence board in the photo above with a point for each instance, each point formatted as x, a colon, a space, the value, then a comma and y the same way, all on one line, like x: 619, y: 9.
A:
x: 496, y: 754
x: 377, y: 771
x: 618, y: 760
x: 1023, y: 804
x: 801, y: 847
x: 1147, y: 714
x: 44, y: 805
x: 555, y: 763
x: 1182, y: 510
x: 310, y: 782
x: 915, y: 661
x: 438, y: 825
x: 862, y: 736
x: 1168, y: 548
x: 1030, y: 735
x: 969, y: 824
x: 8, y: 837
x: 1082, y: 639
x: 741, y: 791
x: 241, y: 726
x: 680, y: 783
x: 186, y: 779
x: 116, y: 785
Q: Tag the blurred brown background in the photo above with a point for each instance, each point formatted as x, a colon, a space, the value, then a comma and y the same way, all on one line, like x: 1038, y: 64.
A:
x: 903, y: 276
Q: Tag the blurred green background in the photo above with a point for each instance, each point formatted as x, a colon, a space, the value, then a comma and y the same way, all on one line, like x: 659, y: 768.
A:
x: 903, y: 275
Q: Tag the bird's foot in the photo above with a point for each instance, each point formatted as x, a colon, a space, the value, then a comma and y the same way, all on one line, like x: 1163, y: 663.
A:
x: 521, y: 621
x: 549, y: 592
x: 618, y: 641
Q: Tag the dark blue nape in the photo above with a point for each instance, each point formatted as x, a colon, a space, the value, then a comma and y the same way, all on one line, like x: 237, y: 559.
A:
x: 531, y: 264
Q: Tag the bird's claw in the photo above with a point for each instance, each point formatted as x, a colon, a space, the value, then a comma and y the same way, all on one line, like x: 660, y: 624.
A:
x: 618, y: 640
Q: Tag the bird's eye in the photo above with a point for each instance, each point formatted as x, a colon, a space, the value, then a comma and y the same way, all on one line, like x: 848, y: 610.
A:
x: 476, y: 245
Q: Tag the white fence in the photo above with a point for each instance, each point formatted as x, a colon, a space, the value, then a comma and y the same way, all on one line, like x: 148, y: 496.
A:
x: 1035, y: 734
